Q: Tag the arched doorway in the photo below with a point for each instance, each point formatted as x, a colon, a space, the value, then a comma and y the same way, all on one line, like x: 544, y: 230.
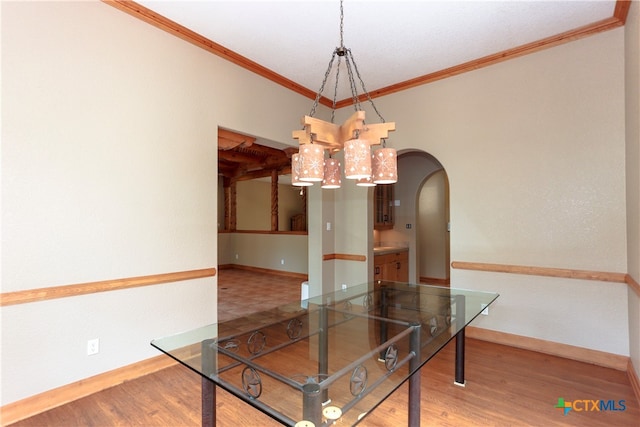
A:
x: 432, y: 230
x: 423, y: 216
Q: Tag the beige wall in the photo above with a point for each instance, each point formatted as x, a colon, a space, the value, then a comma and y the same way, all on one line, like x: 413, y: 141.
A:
x: 254, y: 205
x: 534, y: 149
x: 632, y: 91
x: 109, y: 171
x: 280, y: 252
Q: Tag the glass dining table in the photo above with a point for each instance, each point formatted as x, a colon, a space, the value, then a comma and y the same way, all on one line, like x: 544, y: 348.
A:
x: 330, y: 358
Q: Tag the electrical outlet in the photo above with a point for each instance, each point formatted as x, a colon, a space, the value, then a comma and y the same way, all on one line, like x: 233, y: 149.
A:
x: 485, y: 309
x: 93, y: 346
x: 344, y: 286
x: 236, y: 256
x: 282, y: 261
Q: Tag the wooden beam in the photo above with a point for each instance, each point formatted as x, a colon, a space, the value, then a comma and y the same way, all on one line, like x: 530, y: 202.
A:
x: 332, y: 136
x: 324, y: 133
x: 351, y: 125
x: 262, y: 173
x: 302, y: 135
x: 377, y: 131
x: 227, y: 169
x: 238, y: 157
x: 228, y: 140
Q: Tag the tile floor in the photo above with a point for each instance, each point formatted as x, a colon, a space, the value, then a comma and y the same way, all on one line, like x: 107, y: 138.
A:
x: 241, y: 292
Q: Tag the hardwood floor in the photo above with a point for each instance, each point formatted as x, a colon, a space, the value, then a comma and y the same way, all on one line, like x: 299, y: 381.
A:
x: 505, y: 386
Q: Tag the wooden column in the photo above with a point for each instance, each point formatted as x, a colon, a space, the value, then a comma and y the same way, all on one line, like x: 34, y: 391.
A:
x: 231, y: 206
x: 274, y: 200
x: 229, y: 187
x: 226, y: 187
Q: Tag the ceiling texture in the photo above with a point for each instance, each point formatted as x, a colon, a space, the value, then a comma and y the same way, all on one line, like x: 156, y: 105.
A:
x: 392, y: 42
x: 396, y: 44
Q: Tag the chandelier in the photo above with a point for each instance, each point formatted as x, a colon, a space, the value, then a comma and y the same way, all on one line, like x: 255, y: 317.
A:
x: 320, y: 140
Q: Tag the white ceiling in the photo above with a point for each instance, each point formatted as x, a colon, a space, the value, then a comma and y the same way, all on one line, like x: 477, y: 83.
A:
x: 391, y: 41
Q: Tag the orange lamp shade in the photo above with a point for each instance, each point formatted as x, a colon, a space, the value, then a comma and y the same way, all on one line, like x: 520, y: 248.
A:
x: 357, y: 159
x: 332, y: 177
x: 311, y: 163
x: 385, y: 166
x: 295, y: 172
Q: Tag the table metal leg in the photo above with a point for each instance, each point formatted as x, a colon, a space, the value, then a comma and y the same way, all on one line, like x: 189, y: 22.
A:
x: 384, y: 313
x: 460, y: 358
x: 414, y: 380
x: 208, y: 386
x: 460, y: 319
x: 323, y: 348
x: 208, y: 403
x: 312, y: 403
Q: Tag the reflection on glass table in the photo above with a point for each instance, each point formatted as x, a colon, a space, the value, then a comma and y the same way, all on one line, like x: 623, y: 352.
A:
x: 332, y: 357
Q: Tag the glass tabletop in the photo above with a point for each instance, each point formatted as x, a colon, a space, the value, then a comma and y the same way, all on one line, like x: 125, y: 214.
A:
x: 335, y: 356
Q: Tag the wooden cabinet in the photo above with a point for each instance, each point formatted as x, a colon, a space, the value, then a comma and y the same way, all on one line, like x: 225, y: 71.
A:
x: 299, y: 222
x: 393, y: 266
x: 383, y: 207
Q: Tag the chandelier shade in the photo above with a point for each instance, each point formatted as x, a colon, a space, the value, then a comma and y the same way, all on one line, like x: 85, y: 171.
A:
x: 295, y: 172
x: 311, y: 163
x: 332, y: 177
x: 385, y: 166
x: 357, y: 159
x: 365, y: 182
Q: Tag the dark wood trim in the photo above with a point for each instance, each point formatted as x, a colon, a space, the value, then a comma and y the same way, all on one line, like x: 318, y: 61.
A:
x: 295, y: 233
x: 301, y: 276
x: 600, y: 276
x: 634, y: 380
x: 274, y: 200
x: 435, y: 281
x: 618, y: 19
x: 621, y: 11
x: 344, y: 257
x: 42, y: 294
x: 50, y: 399
x: 635, y: 287
x: 581, y: 354
x: 526, y: 49
x: 138, y: 11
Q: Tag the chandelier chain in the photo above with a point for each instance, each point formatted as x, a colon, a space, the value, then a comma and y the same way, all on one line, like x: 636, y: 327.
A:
x: 351, y: 66
x: 324, y: 81
x: 352, y: 82
x: 364, y: 89
x: 341, y: 25
x: 335, y: 90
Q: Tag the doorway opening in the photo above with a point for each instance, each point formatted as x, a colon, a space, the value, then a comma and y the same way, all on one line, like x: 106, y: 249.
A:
x: 423, y: 216
x: 432, y: 229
